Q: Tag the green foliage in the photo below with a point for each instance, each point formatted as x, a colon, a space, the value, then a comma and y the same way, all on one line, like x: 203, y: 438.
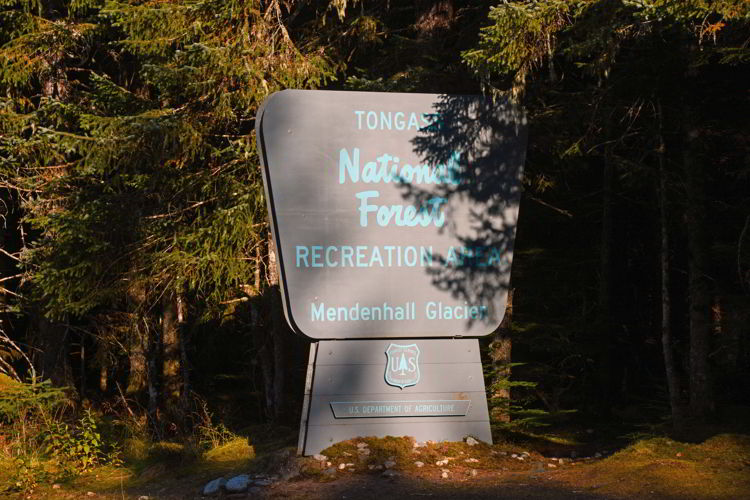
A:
x: 231, y: 449
x: 28, y: 473
x: 78, y: 448
x: 208, y: 433
x: 519, y: 406
x: 137, y: 162
x: 521, y: 34
x: 24, y: 406
x: 44, y: 444
x: 127, y: 152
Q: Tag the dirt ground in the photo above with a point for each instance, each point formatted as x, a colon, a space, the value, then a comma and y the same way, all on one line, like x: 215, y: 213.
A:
x: 396, y: 468
x: 584, y: 483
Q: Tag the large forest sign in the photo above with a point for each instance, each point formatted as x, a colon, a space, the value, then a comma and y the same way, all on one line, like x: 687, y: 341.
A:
x: 394, y: 217
x: 393, y: 214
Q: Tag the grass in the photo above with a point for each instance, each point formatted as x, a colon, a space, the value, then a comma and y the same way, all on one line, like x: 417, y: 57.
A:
x: 718, y: 468
x: 165, y: 463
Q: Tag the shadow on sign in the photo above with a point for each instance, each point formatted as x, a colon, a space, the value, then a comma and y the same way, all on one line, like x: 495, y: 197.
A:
x: 491, y: 139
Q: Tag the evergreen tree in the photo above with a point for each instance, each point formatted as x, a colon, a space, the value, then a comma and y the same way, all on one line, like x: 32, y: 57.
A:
x: 617, y: 68
x: 127, y: 135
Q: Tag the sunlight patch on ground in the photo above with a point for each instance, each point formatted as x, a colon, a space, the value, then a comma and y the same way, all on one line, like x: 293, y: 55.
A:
x: 718, y: 468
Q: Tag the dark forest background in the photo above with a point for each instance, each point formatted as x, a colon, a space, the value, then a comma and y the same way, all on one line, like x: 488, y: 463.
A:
x: 136, y: 269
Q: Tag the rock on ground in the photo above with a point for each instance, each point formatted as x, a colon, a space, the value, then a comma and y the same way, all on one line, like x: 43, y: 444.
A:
x: 238, y: 484
x: 213, y: 487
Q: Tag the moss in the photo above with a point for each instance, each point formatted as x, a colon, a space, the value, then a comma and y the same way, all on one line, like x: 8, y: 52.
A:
x: 402, y: 451
x: 398, y: 449
x: 7, y: 383
x: 237, y: 449
x: 164, y: 451
x: 135, y: 450
x: 106, y: 478
x: 6, y: 471
x: 715, y: 469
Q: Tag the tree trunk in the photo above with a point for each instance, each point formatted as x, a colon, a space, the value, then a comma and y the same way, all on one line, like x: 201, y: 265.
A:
x: 501, y: 358
x: 138, y: 373
x: 82, y: 358
x: 605, y: 250
x: 258, y: 267
x: 701, y: 394
x: 608, y: 356
x: 272, y: 270
x: 670, y: 367
x: 170, y: 340
x: 279, y: 349
x: 51, y: 357
x: 138, y: 337
x: 103, y: 378
x: 184, y: 339
x: 103, y: 361
x: 276, y: 339
x: 152, y: 359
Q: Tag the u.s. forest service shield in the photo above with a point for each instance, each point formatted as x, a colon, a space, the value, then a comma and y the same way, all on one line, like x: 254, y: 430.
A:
x: 402, y: 365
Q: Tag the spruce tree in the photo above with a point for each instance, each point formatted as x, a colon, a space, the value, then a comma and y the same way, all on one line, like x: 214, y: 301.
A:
x: 126, y: 132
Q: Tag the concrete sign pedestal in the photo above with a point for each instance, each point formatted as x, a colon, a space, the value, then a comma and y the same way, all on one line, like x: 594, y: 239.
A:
x: 355, y: 389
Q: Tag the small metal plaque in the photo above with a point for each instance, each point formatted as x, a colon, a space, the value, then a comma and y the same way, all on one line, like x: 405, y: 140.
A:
x: 380, y: 409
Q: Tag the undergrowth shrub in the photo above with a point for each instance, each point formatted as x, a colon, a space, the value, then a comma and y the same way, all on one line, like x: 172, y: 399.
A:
x: 517, y: 412
x: 27, y: 410
x: 46, y: 442
x: 78, y: 448
x: 208, y: 434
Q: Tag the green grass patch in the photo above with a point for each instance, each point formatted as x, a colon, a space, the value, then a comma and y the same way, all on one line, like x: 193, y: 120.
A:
x: 718, y: 468
x: 237, y: 450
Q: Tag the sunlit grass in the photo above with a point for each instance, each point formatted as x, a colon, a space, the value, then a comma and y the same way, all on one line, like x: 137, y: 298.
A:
x: 718, y: 468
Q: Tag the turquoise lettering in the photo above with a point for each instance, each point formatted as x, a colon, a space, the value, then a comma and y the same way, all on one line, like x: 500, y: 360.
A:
x: 361, y: 256
x: 346, y: 255
x: 317, y: 314
x: 302, y: 252
x: 413, y: 121
x: 317, y: 254
x: 384, y: 120
x: 399, y: 122
x: 347, y: 165
x: 364, y: 208
x: 376, y: 256
x: 329, y: 261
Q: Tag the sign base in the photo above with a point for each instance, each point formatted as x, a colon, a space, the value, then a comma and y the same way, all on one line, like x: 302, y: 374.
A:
x: 430, y: 389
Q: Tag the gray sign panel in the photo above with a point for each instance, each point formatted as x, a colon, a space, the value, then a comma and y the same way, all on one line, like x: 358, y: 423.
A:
x: 394, y: 214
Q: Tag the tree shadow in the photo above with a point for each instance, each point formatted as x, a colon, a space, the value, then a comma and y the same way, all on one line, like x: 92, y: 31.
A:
x: 483, y: 143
